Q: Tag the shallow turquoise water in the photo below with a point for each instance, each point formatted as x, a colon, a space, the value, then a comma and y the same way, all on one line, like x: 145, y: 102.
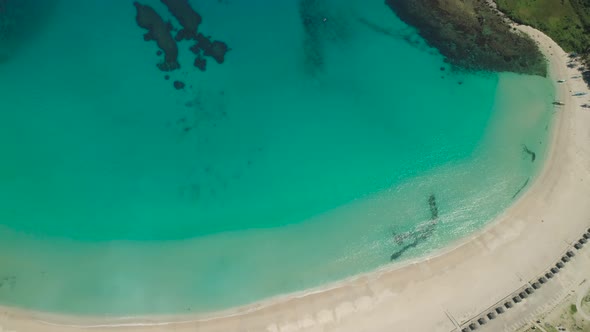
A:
x: 291, y: 175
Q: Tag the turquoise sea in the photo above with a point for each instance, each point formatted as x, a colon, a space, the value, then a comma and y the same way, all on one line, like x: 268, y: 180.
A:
x: 310, y: 155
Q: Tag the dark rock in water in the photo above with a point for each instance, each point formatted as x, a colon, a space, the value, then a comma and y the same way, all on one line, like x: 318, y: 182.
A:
x: 442, y: 68
x: 159, y: 31
x: 521, y: 188
x: 400, y: 252
x: 215, y: 49
x: 178, y: 85
x: 526, y: 150
x: 433, y: 207
x: 167, y: 77
x: 201, y: 62
x: 188, y: 18
x: 471, y: 35
x: 159, y: 53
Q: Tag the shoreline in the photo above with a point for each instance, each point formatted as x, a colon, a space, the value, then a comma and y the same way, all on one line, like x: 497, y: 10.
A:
x: 389, y: 295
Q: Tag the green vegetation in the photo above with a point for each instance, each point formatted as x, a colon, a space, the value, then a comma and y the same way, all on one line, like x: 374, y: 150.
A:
x: 565, y: 21
x: 573, y: 309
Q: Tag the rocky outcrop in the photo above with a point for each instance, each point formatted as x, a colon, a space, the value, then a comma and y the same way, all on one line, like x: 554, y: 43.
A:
x: 215, y: 49
x: 188, y: 18
x: 471, y: 35
x: 159, y: 31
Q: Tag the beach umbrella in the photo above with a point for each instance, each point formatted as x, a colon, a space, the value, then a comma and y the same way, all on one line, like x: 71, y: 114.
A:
x: 481, y: 321
x: 499, y: 310
x: 508, y: 305
x: 559, y: 265
x: 529, y: 290
x: 570, y: 253
x: 554, y: 270
x: 536, y: 285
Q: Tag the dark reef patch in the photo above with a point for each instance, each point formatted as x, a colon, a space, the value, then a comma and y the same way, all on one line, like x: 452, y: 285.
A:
x: 532, y: 154
x: 178, y: 85
x: 433, y: 207
x: 471, y: 35
x: 215, y: 49
x: 200, y: 62
x: 188, y: 18
x: 521, y: 188
x: 159, y: 31
x: 405, y: 248
x: 419, y: 234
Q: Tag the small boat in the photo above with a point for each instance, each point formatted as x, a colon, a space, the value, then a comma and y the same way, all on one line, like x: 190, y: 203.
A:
x: 558, y: 103
x: 575, y: 77
x: 577, y: 94
x: 561, y: 81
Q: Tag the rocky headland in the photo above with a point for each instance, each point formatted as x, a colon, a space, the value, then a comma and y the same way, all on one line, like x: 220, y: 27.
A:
x: 471, y: 35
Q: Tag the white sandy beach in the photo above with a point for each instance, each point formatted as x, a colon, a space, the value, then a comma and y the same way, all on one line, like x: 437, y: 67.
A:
x: 440, y: 293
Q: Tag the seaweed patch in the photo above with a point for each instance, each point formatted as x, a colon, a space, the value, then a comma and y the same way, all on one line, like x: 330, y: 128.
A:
x: 419, y: 234
x: 521, y: 188
x: 526, y: 150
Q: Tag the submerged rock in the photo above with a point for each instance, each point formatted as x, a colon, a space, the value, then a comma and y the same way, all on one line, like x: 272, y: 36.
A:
x: 215, y: 49
x: 178, y: 85
x: 200, y: 62
x: 471, y: 35
x: 159, y: 31
x: 188, y: 18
